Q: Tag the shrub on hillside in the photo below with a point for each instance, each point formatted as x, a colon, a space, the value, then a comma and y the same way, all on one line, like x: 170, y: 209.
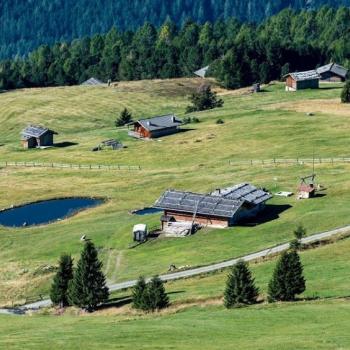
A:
x: 204, y: 99
x: 345, y: 94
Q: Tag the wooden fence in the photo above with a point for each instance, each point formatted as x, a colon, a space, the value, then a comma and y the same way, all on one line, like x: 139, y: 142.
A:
x: 295, y: 161
x: 69, y: 166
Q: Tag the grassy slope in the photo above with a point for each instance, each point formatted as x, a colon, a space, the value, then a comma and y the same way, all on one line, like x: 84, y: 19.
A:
x: 196, y: 160
x: 320, y: 324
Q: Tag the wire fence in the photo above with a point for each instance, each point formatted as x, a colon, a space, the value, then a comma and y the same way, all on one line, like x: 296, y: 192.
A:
x: 295, y: 161
x: 70, y: 166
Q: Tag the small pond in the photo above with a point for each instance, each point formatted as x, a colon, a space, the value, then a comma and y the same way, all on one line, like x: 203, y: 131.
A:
x: 146, y: 211
x: 45, y: 212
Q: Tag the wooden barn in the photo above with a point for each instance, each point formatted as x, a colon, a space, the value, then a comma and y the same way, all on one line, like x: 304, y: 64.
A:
x: 222, y: 208
x: 37, y: 136
x: 302, y: 80
x: 332, y: 73
x: 155, y: 127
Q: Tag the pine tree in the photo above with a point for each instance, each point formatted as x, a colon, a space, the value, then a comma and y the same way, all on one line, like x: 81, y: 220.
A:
x: 204, y: 99
x: 299, y: 233
x: 138, y: 294
x: 240, y: 287
x: 287, y: 280
x: 124, y: 118
x: 345, y: 94
x: 155, y: 297
x: 88, y: 288
x: 59, y: 288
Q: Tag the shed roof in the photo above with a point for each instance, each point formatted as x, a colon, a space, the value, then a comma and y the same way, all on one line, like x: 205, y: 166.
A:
x: 202, y: 72
x: 35, y: 131
x: 302, y: 76
x: 161, y: 122
x: 188, y: 202
x: 244, y: 192
x: 92, y: 82
x: 333, y: 68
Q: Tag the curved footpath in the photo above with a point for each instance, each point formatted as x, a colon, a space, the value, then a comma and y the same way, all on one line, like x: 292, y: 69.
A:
x: 193, y: 272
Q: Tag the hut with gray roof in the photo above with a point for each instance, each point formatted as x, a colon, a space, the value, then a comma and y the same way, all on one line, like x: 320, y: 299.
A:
x: 332, y: 72
x: 37, y: 136
x: 221, y: 208
x: 302, y: 80
x: 155, y: 127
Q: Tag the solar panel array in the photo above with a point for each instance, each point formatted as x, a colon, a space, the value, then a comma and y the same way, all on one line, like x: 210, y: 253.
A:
x: 244, y: 192
x: 188, y: 202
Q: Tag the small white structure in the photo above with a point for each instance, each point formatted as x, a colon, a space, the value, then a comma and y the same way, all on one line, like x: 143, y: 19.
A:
x: 284, y: 194
x: 140, y: 233
x: 202, y: 72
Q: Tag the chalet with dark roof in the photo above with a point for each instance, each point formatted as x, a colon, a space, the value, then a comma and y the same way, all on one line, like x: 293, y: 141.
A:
x: 302, y: 80
x: 36, y: 136
x: 222, y: 208
x: 155, y: 127
x: 332, y: 72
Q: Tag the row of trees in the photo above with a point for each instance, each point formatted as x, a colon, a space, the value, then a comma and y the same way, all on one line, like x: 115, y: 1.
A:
x: 286, y: 283
x: 24, y: 25
x: 238, y: 54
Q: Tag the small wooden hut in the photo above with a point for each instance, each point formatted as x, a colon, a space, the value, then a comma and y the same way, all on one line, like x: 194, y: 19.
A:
x: 302, y: 80
x: 36, y: 136
x: 332, y: 72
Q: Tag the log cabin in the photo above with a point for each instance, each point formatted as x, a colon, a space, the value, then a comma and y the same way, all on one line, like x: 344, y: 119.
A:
x: 155, y: 127
x: 302, y: 80
x: 36, y: 136
x: 221, y: 209
x: 332, y: 73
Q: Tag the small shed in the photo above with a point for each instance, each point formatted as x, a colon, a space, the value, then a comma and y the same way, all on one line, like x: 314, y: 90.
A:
x: 307, y: 187
x: 302, y: 80
x: 332, y: 72
x: 155, y: 127
x: 113, y: 144
x: 140, y: 233
x: 92, y: 82
x: 37, y: 136
x: 202, y: 73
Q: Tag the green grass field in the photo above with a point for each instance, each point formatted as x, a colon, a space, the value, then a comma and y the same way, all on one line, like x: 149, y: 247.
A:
x: 196, y: 319
x: 266, y: 125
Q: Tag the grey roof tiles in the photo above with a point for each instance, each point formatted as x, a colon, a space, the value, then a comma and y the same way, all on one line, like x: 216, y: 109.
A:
x: 161, y: 122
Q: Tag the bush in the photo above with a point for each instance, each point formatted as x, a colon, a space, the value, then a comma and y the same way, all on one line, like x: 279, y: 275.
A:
x: 204, y: 99
x: 345, y: 94
x: 124, y: 118
x: 220, y: 121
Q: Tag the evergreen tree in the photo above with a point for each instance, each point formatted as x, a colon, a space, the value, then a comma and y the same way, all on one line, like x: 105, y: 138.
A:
x: 345, y: 94
x: 155, y: 296
x: 240, y: 287
x: 59, y: 288
x: 287, y: 280
x: 299, y: 233
x: 204, y: 99
x: 138, y: 294
x: 88, y: 288
x: 124, y: 118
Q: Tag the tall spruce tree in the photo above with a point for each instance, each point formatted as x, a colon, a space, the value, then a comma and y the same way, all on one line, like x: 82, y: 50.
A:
x: 204, y: 99
x: 59, y: 288
x: 287, y: 280
x: 240, y: 287
x: 124, y: 118
x: 138, y: 294
x: 345, y: 94
x: 88, y: 288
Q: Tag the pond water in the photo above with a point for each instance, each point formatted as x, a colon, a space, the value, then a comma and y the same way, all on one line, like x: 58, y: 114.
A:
x: 45, y: 212
x: 146, y: 211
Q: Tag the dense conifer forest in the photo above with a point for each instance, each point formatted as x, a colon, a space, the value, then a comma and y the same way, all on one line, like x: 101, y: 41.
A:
x: 26, y: 24
x: 239, y: 53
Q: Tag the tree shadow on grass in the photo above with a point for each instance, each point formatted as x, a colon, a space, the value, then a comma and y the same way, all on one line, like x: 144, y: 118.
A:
x: 65, y: 144
x: 271, y: 212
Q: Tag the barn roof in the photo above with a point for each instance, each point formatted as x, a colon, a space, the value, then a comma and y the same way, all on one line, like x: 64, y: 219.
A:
x: 302, y: 76
x: 333, y: 68
x: 244, y: 192
x: 35, y: 131
x: 92, y: 82
x: 202, y: 72
x: 161, y: 122
x: 188, y: 202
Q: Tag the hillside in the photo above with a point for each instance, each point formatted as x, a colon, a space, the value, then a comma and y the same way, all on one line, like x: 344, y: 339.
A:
x: 269, y: 125
x: 26, y: 25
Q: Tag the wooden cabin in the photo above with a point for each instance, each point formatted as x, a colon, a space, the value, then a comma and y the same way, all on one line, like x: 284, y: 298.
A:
x: 302, y: 80
x: 332, y: 72
x: 155, y: 127
x: 306, y: 191
x: 222, y: 208
x: 37, y: 136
